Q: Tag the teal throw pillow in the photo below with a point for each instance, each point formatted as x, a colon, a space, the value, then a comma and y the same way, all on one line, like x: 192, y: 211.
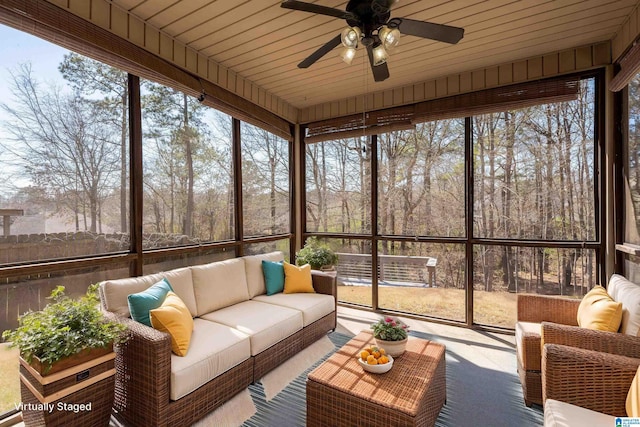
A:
x: 150, y: 299
x: 273, y: 276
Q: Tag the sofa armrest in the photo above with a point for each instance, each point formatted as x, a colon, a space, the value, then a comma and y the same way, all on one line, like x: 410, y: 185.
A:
x: 589, y: 339
x: 324, y: 283
x: 143, y: 369
x: 590, y: 379
x: 540, y: 308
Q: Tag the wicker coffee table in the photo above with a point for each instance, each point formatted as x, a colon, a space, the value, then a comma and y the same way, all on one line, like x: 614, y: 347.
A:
x: 341, y: 393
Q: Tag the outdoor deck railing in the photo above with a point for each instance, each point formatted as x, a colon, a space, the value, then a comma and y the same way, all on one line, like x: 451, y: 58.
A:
x: 391, y: 268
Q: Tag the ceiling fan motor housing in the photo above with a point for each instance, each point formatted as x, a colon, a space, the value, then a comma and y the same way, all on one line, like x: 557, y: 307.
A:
x: 369, y: 16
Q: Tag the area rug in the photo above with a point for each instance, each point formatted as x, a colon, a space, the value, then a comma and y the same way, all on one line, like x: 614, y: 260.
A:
x: 232, y: 413
x: 483, y: 389
x: 289, y: 407
x: 276, y: 380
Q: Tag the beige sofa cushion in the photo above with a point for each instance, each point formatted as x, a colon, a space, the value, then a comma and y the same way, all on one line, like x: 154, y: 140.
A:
x: 313, y: 306
x: 114, y: 292
x: 219, y: 284
x: 207, y: 358
x: 266, y: 324
x: 562, y: 414
x: 628, y: 293
x: 182, y: 283
x: 253, y: 268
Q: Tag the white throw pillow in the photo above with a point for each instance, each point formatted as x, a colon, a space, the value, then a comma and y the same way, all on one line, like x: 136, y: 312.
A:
x: 628, y: 293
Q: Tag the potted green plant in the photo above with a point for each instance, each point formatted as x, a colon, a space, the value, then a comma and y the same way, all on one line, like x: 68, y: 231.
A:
x: 317, y: 255
x: 67, y: 360
x: 391, y: 334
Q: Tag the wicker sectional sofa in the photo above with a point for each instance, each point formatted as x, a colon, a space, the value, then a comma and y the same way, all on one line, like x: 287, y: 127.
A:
x: 239, y: 334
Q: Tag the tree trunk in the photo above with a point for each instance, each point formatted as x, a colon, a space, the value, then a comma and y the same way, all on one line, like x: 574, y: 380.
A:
x: 124, y: 224
x: 188, y: 135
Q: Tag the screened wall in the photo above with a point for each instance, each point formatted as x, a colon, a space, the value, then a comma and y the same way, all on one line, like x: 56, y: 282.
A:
x: 476, y: 201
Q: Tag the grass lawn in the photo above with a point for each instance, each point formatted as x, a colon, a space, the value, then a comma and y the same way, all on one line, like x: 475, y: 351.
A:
x: 490, y: 308
x: 10, y: 379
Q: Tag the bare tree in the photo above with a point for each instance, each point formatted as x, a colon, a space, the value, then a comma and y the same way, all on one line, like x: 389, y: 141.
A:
x: 90, y: 77
x: 64, y: 143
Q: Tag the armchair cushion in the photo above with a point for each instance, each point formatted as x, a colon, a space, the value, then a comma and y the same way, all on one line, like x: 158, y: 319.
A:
x: 562, y: 414
x: 599, y: 311
x: 627, y: 293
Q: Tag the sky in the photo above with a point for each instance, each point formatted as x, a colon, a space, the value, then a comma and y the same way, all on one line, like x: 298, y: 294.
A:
x: 18, y: 47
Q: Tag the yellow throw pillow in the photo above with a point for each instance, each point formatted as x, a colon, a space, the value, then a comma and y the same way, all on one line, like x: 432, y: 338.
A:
x: 633, y: 397
x: 599, y: 311
x: 174, y: 318
x: 297, y: 279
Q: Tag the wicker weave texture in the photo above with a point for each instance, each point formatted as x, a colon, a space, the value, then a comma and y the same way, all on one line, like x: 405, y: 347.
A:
x: 143, y: 374
x: 100, y: 395
x: 210, y: 396
x: 529, y: 352
x: 538, y: 309
x: 588, y: 339
x: 590, y: 379
x: 341, y: 393
x: 63, y: 383
x: 541, y: 308
x: 531, y: 385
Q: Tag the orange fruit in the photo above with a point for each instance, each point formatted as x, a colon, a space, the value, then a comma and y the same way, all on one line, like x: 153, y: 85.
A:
x: 382, y: 351
x: 376, y: 354
x: 382, y: 360
x: 372, y: 361
x: 364, y: 354
x: 370, y: 358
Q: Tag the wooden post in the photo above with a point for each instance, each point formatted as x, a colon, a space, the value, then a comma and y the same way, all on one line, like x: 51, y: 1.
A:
x: 6, y: 219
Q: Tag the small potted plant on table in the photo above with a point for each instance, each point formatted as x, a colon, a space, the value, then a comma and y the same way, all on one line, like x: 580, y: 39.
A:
x: 391, y: 334
x: 67, y: 361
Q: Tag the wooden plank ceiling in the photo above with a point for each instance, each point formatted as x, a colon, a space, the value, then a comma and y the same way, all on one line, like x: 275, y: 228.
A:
x: 263, y: 42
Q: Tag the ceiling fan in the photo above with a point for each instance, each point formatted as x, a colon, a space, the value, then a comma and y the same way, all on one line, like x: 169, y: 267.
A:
x: 371, y: 25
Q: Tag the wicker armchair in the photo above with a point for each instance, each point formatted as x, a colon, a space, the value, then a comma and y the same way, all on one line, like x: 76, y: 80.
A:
x: 532, y: 311
x: 575, y: 380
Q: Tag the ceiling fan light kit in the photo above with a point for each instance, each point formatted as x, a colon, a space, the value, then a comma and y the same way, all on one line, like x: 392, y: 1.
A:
x: 350, y: 37
x: 369, y: 24
x: 347, y: 55
x: 390, y: 37
x: 380, y: 55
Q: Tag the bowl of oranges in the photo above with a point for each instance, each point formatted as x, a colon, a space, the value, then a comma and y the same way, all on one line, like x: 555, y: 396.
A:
x: 375, y: 360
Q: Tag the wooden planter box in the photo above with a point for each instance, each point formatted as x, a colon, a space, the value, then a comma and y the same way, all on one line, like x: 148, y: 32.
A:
x: 76, y: 391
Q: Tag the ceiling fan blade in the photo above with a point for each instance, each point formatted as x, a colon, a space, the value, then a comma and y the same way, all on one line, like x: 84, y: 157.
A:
x: 429, y: 30
x: 320, y: 52
x: 315, y: 8
x: 380, y: 72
